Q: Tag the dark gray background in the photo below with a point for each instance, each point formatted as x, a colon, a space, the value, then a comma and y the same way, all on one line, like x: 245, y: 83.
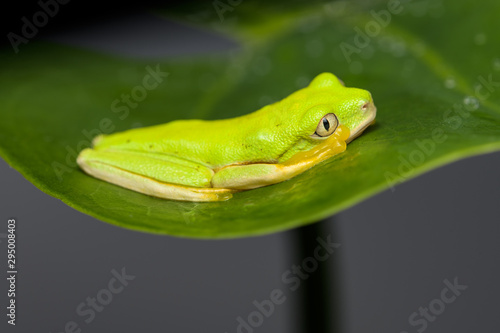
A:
x: 396, y: 248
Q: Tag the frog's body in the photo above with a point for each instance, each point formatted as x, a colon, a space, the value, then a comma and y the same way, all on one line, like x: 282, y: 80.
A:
x: 201, y: 160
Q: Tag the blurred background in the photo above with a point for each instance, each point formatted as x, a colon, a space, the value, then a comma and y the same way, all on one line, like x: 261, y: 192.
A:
x: 398, y: 250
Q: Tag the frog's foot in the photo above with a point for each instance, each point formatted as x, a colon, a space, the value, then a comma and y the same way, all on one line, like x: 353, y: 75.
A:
x: 153, y: 174
x: 249, y: 176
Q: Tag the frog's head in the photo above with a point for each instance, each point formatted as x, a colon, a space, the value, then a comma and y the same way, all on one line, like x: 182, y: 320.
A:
x: 353, y: 107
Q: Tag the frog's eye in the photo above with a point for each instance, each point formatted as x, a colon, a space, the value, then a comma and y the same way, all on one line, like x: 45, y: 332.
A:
x: 327, y: 125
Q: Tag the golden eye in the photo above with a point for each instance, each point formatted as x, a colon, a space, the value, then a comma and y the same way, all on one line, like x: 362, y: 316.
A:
x: 327, y: 125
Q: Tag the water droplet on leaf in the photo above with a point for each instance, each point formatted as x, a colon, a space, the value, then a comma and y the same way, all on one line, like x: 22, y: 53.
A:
x: 480, y: 39
x: 450, y: 83
x: 471, y: 103
x: 496, y: 64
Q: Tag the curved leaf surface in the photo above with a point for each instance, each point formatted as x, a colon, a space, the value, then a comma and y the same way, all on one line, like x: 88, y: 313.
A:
x: 432, y: 67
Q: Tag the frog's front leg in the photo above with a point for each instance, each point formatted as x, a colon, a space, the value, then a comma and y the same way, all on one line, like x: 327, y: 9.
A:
x: 249, y: 176
x: 155, y: 174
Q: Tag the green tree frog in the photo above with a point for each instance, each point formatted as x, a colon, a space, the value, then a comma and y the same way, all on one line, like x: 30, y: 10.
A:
x: 209, y: 160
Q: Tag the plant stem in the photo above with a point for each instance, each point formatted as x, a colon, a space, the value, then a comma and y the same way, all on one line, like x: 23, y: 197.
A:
x: 320, y: 313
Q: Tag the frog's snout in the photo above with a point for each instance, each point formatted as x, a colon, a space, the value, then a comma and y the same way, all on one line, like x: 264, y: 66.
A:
x: 369, y: 112
x: 366, y: 106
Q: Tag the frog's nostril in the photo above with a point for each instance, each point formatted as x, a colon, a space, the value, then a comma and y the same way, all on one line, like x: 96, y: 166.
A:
x: 365, y: 106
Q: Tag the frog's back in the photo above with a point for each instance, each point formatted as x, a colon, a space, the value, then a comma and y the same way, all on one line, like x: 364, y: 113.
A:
x: 209, y: 142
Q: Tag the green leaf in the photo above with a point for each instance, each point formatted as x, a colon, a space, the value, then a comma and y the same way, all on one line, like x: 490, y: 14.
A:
x: 428, y: 71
